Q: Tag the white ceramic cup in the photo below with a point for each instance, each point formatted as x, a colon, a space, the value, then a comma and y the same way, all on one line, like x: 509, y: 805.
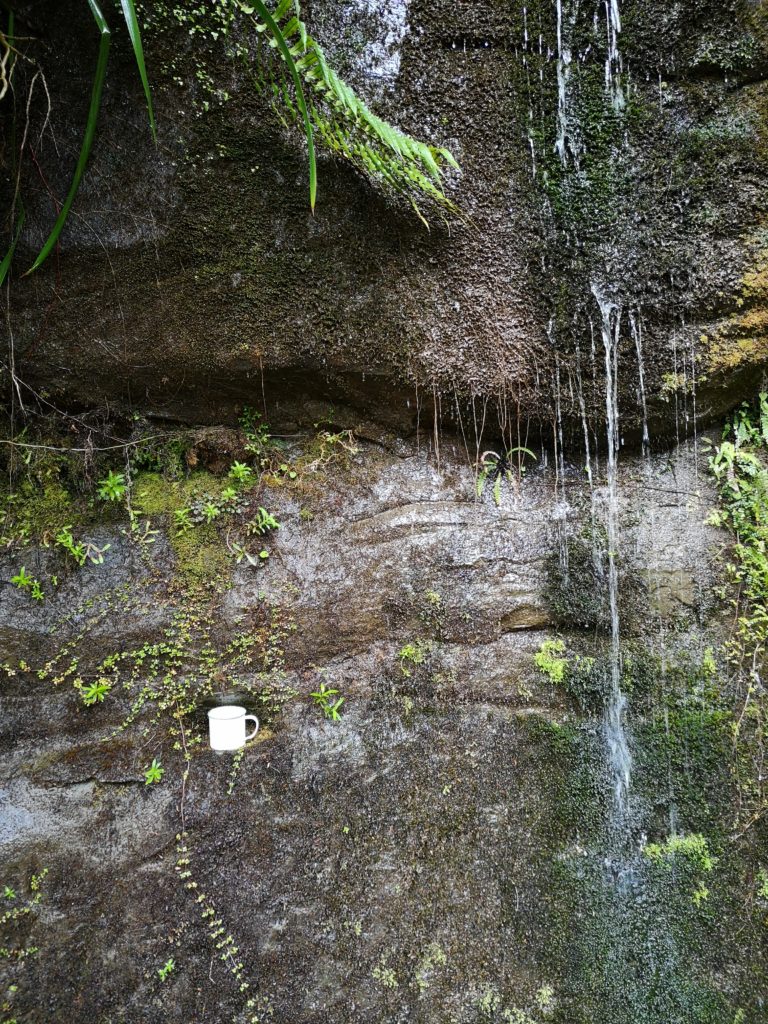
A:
x: 227, y: 727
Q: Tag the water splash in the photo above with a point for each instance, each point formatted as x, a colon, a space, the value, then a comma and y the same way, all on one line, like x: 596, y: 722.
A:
x: 615, y: 712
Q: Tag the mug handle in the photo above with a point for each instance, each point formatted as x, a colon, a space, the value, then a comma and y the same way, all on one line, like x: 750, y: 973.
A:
x: 253, y: 718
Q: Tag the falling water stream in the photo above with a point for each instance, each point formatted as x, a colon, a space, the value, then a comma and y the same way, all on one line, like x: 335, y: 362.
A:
x: 615, y: 712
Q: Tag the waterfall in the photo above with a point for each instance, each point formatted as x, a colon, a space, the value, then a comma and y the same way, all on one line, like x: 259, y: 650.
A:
x: 615, y: 733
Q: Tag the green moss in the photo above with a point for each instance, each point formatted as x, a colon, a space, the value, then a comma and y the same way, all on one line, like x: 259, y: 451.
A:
x: 154, y: 494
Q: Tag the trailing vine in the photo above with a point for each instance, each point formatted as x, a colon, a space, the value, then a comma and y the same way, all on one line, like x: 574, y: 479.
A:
x: 739, y: 465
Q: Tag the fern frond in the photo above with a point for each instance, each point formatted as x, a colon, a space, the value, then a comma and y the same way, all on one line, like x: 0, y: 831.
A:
x: 341, y: 120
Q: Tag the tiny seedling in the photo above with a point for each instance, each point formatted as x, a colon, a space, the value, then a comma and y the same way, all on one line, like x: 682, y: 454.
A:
x: 9, y: 893
x: 211, y: 511
x: 154, y: 772
x: 112, y: 487
x: 329, y: 707
x: 168, y: 967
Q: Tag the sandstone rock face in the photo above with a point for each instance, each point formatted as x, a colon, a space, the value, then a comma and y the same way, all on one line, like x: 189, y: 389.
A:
x: 618, y: 151
x: 443, y: 852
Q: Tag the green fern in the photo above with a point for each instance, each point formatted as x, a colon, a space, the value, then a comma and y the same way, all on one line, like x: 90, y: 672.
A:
x: 394, y: 160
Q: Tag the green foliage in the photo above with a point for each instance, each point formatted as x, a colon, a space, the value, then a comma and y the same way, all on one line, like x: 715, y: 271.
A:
x: 154, y: 772
x: 241, y: 473
x: 258, y: 441
x: 261, y: 523
x: 413, y: 654
x: 692, y: 849
x: 95, y: 692
x: 112, y: 487
x: 323, y: 698
x: 495, y: 467
x: 168, y: 967
x: 19, y: 911
x: 81, y: 551
x: 395, y: 161
x: 24, y: 581
x: 739, y: 465
x: 550, y: 661
x: 93, y: 112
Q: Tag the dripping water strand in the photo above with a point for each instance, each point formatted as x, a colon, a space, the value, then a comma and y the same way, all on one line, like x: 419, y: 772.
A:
x: 616, y: 737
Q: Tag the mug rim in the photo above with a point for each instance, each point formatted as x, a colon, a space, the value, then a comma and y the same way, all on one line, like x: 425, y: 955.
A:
x: 231, y: 712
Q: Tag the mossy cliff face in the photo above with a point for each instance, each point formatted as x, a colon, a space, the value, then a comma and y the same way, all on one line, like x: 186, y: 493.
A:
x: 194, y: 274
x: 448, y: 849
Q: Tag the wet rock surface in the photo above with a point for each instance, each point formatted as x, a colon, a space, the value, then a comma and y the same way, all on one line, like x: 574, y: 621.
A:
x: 440, y: 852
x: 194, y: 279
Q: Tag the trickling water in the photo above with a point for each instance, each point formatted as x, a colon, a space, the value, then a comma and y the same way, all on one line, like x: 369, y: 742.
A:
x: 636, y: 327
x: 564, y: 144
x: 613, y: 64
x: 615, y: 733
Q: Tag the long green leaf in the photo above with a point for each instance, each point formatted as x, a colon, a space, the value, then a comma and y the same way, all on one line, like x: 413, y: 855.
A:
x: 344, y: 123
x: 5, y: 266
x: 285, y: 53
x: 132, y: 22
x: 90, y: 129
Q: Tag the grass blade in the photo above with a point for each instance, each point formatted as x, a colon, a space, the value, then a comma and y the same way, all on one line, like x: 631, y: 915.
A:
x: 301, y: 102
x: 5, y: 266
x: 90, y: 130
x: 132, y: 23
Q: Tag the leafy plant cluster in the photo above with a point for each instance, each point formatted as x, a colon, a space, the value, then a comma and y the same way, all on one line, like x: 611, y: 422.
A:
x: 494, y: 468
x: 323, y: 698
x: 305, y: 90
x: 739, y: 465
x: 81, y: 551
x: 688, y: 855
x: 14, y: 911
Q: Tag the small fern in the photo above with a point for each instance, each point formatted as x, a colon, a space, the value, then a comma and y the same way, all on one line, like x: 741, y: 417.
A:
x: 312, y: 92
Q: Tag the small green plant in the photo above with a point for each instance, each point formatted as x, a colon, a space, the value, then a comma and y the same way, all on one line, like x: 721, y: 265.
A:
x: 241, y: 473
x: 95, y: 692
x: 258, y: 440
x: 412, y: 655
x: 323, y: 698
x: 182, y: 521
x: 24, y: 581
x: 261, y: 523
x: 545, y: 997
x: 550, y: 661
x: 762, y: 884
x: 112, y: 487
x: 168, y: 967
x: 211, y: 511
x: 692, y: 849
x: 81, y: 551
x: 154, y: 772
x: 385, y: 976
x: 23, y: 908
x: 495, y: 467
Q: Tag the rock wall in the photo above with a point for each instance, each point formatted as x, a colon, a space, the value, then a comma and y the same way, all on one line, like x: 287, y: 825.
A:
x: 447, y: 849
x: 626, y: 154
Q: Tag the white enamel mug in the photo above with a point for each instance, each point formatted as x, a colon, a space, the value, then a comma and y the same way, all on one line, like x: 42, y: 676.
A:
x: 227, y: 727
